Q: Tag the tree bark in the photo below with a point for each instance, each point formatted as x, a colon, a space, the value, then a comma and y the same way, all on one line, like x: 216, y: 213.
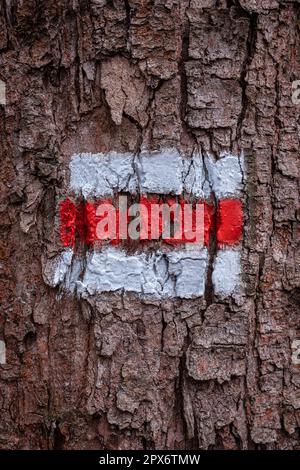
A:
x: 121, y: 372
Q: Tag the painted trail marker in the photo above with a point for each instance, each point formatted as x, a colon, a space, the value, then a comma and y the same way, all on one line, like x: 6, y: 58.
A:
x: 171, y: 269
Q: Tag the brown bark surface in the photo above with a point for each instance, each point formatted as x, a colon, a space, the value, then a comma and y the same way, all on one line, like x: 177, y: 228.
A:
x: 119, y: 372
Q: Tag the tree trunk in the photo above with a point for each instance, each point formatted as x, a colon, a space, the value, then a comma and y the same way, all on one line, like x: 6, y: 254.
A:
x: 115, y: 370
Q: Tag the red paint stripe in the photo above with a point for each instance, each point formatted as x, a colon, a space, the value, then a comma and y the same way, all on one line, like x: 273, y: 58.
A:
x: 105, y: 230
x: 229, y: 222
x: 81, y: 221
x: 67, y: 213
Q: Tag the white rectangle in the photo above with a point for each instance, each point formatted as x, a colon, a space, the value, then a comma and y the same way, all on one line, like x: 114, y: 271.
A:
x: 2, y: 93
x: 161, y: 275
x: 2, y: 353
x: 159, y: 172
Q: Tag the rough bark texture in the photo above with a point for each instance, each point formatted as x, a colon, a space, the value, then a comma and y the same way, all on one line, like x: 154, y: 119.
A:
x: 119, y: 372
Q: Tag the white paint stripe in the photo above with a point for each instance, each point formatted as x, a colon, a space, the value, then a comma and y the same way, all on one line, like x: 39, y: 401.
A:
x: 164, y: 172
x: 2, y: 93
x: 63, y: 264
x: 161, y: 275
x: 160, y: 172
x: 2, y: 353
x: 98, y: 175
x: 226, y: 175
x: 226, y: 272
x: 194, y: 177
